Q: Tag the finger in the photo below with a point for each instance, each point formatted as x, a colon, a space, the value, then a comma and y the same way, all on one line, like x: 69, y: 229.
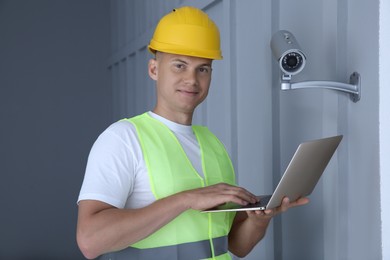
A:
x: 259, y: 212
x: 285, y: 204
x: 242, y: 200
x: 220, y: 198
x: 239, y: 192
x: 299, y: 202
x: 302, y: 201
x: 270, y: 212
x: 282, y: 208
x: 220, y: 194
x: 256, y: 213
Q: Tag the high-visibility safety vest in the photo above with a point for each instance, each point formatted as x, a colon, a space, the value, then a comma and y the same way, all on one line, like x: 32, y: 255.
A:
x: 192, y: 234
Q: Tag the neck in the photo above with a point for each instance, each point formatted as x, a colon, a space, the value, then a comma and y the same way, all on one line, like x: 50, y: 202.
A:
x: 177, y: 117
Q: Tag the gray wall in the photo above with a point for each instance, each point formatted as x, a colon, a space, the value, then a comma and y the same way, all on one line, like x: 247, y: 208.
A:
x: 54, y: 101
x: 262, y: 126
x: 337, y: 42
x: 384, y: 125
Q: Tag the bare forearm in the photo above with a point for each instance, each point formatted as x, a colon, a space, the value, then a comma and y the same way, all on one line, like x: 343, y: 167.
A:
x: 114, y: 229
x: 248, y: 229
x: 103, y: 228
x: 244, y: 235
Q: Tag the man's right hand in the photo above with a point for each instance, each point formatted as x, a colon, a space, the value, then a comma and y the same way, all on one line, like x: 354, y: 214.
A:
x: 103, y: 228
x: 218, y: 194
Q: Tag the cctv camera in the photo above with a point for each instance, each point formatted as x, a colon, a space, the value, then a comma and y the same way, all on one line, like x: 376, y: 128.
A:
x: 292, y: 60
x: 288, y: 52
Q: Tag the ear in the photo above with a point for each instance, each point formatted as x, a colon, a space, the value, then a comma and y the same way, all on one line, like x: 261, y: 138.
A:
x: 152, y: 69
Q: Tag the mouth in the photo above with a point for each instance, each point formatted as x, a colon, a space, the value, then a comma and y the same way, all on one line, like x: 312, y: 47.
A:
x: 188, y: 92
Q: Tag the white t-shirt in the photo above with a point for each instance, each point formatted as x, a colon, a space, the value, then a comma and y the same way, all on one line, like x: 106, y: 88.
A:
x: 116, y: 172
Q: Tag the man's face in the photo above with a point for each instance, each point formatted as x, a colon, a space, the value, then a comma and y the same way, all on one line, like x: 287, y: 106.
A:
x: 182, y: 82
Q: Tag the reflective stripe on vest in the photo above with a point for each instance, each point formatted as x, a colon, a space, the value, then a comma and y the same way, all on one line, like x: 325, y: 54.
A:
x: 170, y: 171
x: 188, y: 251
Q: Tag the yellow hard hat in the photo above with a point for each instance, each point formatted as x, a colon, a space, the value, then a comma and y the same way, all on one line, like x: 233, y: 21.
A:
x: 187, y: 31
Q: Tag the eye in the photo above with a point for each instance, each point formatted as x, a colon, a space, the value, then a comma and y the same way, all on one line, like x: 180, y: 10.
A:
x: 204, y: 69
x: 179, y: 66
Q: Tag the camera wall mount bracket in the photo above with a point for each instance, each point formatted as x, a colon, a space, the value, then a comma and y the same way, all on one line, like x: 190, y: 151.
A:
x: 353, y: 88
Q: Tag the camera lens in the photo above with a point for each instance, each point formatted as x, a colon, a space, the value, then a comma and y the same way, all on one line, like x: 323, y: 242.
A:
x: 292, y: 62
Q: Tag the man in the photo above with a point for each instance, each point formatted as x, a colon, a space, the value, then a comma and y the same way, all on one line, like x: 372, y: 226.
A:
x: 148, y: 177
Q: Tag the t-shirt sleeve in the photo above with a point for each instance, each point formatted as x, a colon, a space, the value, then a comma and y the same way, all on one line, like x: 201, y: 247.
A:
x: 109, y: 175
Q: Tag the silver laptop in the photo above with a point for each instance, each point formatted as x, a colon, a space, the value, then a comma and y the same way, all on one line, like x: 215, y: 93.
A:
x: 299, y: 179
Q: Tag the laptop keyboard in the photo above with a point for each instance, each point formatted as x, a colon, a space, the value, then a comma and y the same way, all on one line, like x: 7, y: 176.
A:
x: 262, y: 203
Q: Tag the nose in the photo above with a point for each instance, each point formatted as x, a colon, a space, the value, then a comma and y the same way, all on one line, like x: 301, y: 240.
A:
x: 191, y: 77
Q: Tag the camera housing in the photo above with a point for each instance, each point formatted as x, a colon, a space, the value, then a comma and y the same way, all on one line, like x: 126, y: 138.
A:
x: 292, y: 60
x: 287, y: 52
